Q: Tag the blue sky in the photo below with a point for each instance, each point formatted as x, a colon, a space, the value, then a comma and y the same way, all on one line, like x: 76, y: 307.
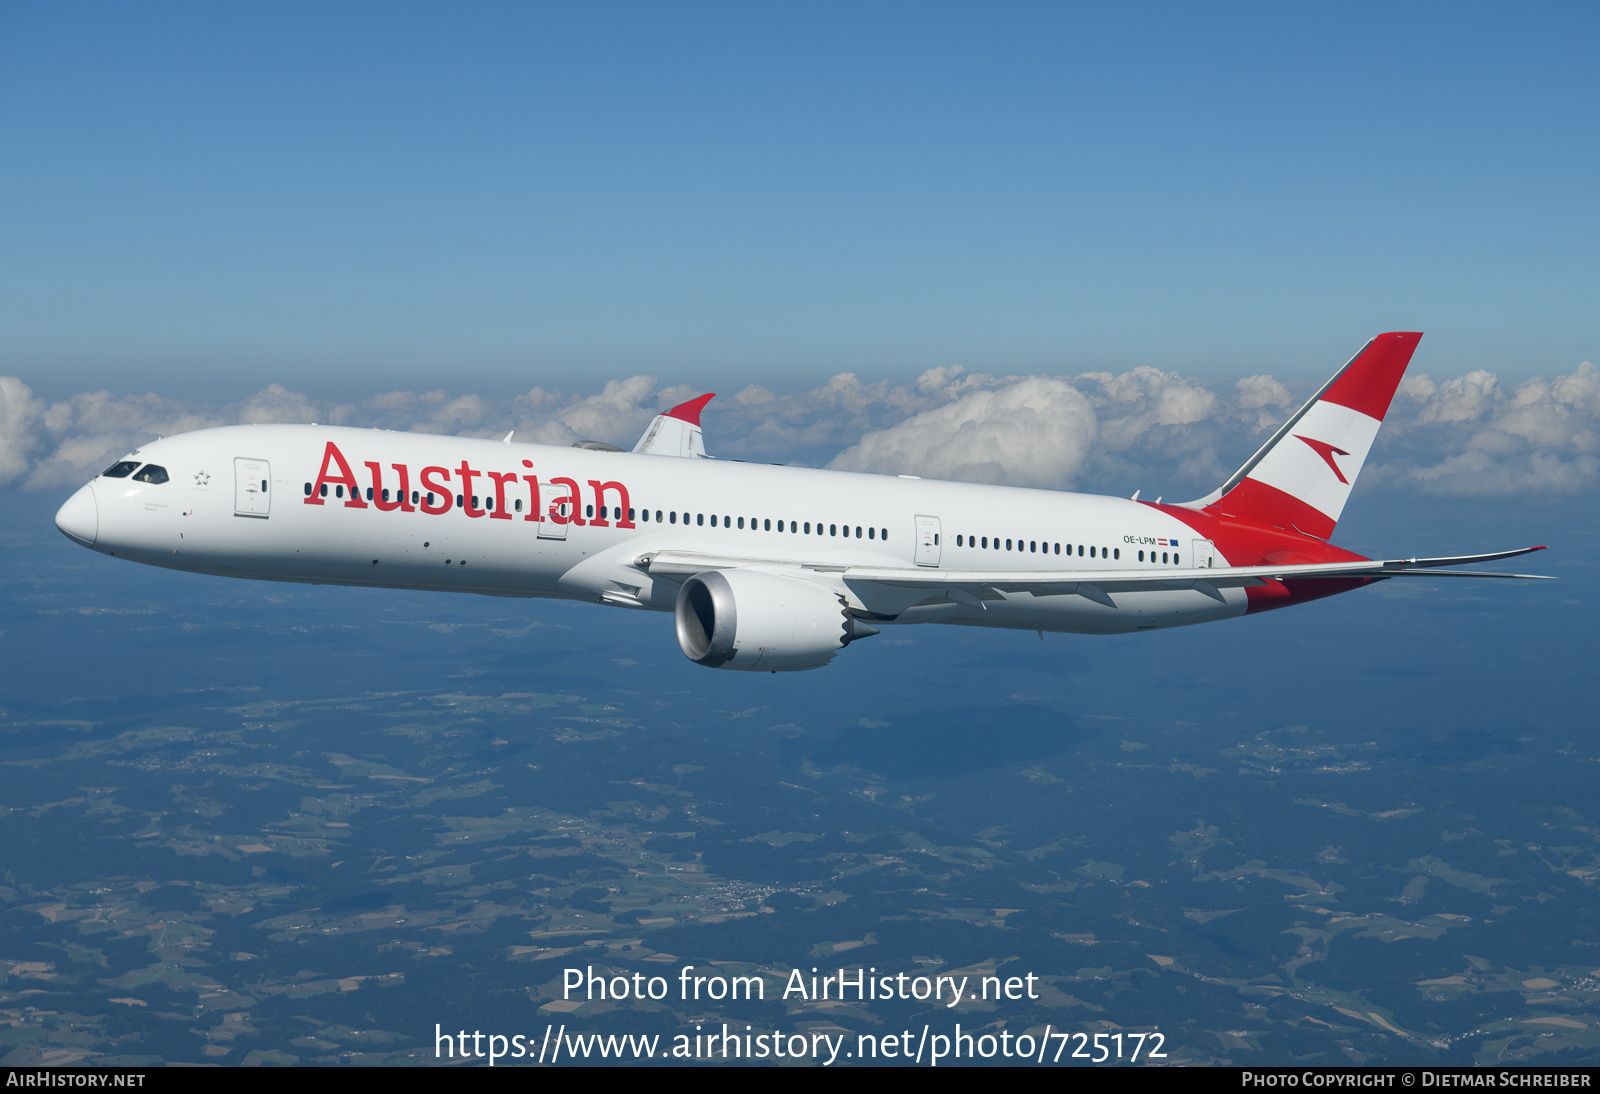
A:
x: 200, y: 199
x: 619, y: 206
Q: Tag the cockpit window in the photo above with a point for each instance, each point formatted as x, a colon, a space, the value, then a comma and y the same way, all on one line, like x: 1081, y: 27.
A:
x: 152, y: 474
x: 120, y: 470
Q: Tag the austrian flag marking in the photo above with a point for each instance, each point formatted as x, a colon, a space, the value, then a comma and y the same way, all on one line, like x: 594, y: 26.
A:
x: 436, y: 496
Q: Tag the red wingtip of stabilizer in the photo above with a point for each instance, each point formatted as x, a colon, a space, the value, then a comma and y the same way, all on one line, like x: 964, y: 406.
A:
x: 690, y: 411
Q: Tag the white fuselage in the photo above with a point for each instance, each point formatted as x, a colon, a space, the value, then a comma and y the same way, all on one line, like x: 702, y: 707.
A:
x: 516, y: 533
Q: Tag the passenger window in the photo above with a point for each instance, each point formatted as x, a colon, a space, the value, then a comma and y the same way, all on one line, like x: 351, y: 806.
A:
x: 674, y: 518
x: 308, y: 489
x: 1058, y: 548
x: 1033, y: 547
x: 588, y: 510
x: 872, y: 533
x: 323, y: 490
x: 369, y: 494
x: 808, y: 527
x: 1116, y: 552
x: 658, y: 516
x: 151, y: 474
x: 519, y: 505
x: 1008, y: 545
x: 768, y: 525
x: 338, y: 491
x: 700, y: 518
x: 833, y: 529
x: 414, y: 498
x: 883, y: 533
x: 1141, y: 556
x: 1091, y: 552
x: 125, y: 468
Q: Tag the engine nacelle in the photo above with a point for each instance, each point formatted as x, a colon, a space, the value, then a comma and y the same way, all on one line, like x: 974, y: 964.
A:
x: 761, y: 622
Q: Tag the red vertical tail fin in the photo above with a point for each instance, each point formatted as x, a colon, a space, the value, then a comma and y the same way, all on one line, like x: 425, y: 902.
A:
x: 1302, y: 477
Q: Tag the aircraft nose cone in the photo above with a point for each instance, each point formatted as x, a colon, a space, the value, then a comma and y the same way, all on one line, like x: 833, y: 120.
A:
x: 79, y: 518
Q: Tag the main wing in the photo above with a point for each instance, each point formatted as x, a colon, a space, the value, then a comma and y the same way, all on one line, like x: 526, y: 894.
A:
x: 1096, y: 585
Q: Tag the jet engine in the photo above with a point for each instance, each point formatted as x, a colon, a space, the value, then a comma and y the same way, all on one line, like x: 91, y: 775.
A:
x: 762, y: 622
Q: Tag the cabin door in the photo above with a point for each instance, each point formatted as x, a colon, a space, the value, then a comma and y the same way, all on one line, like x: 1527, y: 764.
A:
x: 250, y: 487
x: 550, y: 529
x: 1205, y: 554
x: 927, y: 541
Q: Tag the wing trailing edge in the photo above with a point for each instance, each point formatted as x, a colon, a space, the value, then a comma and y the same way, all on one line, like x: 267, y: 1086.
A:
x: 1219, y: 577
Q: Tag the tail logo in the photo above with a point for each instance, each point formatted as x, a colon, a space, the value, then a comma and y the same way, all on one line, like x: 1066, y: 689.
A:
x: 1327, y: 452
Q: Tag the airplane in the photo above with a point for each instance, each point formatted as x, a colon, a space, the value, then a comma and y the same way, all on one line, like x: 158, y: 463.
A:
x: 766, y: 568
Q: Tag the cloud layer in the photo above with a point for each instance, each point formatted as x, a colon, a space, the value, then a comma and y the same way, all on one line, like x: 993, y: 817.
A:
x: 1145, y: 429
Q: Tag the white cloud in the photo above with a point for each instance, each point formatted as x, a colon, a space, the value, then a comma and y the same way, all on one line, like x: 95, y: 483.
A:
x: 1475, y: 436
x: 1157, y: 431
x: 1461, y: 400
x: 1036, y: 431
x: 21, y: 421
